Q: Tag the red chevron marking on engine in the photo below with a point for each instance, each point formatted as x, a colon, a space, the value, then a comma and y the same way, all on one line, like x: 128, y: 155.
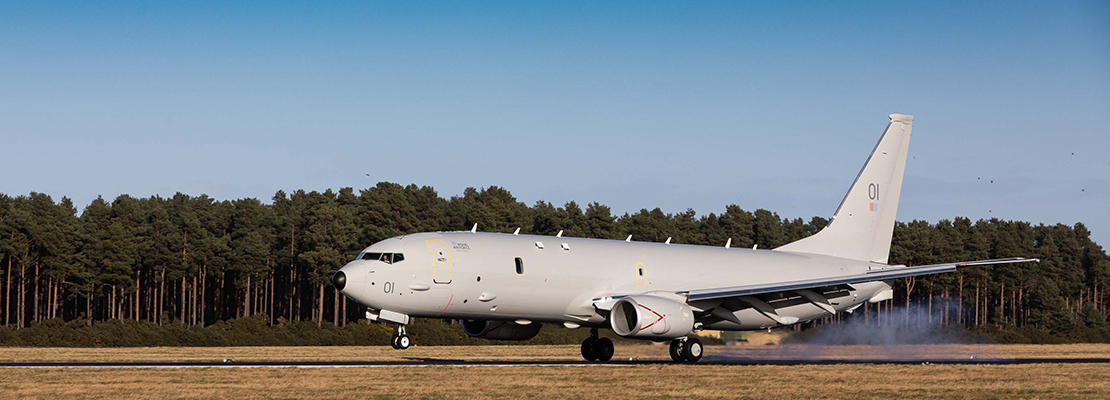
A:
x: 653, y: 312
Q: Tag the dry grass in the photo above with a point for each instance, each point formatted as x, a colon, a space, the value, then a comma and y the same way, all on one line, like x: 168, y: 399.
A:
x: 602, y: 382
x: 523, y: 382
x: 647, y: 352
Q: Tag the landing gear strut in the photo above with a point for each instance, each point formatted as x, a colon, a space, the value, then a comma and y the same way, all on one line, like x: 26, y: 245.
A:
x: 400, y: 339
x: 687, y: 349
x: 595, y: 348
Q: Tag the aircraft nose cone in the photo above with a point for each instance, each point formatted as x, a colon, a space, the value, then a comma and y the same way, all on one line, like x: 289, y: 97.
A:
x: 339, y: 280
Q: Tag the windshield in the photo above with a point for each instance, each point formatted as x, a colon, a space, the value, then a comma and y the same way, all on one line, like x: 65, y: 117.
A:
x: 388, y: 258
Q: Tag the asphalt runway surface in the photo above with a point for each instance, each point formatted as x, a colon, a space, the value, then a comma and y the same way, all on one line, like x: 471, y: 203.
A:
x: 434, y: 362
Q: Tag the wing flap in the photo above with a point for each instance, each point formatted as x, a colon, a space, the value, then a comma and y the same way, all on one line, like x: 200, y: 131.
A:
x: 892, y: 272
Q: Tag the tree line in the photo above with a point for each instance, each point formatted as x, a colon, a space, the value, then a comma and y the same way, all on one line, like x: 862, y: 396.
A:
x: 196, y: 261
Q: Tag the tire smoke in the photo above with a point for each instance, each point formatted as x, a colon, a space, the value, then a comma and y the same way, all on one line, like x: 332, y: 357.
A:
x: 896, y: 335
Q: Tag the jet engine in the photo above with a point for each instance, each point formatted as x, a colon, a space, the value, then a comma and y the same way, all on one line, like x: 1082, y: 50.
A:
x: 500, y: 330
x: 651, y: 317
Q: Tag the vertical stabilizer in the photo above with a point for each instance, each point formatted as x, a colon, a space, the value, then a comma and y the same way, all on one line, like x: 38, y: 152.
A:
x: 862, y: 226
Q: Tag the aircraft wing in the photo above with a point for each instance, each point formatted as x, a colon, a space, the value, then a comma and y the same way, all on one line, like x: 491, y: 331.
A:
x: 891, y: 272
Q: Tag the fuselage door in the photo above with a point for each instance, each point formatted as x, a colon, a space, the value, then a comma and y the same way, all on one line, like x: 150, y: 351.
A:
x: 441, y: 261
x: 641, y: 275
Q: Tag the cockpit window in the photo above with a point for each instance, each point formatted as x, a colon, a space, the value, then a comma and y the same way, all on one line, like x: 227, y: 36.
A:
x: 388, y: 258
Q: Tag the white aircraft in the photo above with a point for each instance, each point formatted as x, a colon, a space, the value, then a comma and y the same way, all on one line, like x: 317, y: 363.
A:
x: 505, y: 286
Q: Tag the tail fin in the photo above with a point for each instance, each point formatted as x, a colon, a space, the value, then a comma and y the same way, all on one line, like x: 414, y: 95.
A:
x: 862, y: 226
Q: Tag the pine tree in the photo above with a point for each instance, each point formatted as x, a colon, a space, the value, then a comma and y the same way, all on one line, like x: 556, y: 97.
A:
x: 201, y: 261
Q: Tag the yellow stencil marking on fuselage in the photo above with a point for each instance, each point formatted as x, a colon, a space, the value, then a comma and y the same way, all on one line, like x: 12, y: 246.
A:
x: 435, y: 258
x: 641, y: 279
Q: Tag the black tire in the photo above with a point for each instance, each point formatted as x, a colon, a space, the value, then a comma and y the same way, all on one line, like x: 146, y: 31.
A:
x: 694, y: 350
x: 393, y: 342
x: 603, y: 349
x: 588, y: 349
x: 403, y: 342
x: 676, y: 351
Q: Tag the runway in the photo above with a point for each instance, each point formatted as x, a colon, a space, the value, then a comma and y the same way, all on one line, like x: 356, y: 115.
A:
x: 431, y: 362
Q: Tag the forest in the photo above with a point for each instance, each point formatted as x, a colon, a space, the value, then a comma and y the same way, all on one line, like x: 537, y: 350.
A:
x: 195, y: 261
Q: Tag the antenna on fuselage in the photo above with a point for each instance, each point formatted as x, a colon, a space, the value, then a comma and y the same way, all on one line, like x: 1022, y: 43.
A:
x: 756, y: 246
x: 517, y: 232
x: 728, y: 244
x: 475, y: 228
x: 629, y: 238
x: 668, y: 241
x: 560, y: 234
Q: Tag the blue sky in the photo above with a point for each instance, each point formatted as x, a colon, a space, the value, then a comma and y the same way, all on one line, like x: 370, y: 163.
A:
x: 635, y: 105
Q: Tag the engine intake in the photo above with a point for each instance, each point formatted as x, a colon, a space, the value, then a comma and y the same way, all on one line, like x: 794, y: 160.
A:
x: 651, y: 317
x: 500, y: 330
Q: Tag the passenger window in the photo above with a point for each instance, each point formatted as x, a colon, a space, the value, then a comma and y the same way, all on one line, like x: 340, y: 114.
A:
x: 519, y: 266
x: 398, y: 257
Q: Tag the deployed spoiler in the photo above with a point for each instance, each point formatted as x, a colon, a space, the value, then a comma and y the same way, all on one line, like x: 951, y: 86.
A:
x: 890, y: 272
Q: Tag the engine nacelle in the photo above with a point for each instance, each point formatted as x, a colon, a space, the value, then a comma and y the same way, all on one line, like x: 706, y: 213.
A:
x: 651, y: 317
x: 500, y: 330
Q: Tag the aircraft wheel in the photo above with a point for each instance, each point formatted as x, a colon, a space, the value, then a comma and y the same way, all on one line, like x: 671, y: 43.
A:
x: 393, y: 342
x: 603, y: 349
x: 693, y: 349
x: 676, y: 351
x: 403, y: 342
x: 588, y: 346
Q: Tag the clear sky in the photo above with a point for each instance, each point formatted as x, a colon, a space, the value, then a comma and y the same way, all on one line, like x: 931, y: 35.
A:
x: 635, y: 105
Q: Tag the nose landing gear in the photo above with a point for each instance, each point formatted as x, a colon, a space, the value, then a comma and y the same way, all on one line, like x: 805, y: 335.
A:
x: 595, y: 348
x: 687, y: 349
x: 400, y: 340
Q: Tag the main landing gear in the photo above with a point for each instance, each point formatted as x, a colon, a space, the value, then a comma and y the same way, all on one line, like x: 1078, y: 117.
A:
x: 595, y: 348
x: 687, y: 349
x: 400, y: 339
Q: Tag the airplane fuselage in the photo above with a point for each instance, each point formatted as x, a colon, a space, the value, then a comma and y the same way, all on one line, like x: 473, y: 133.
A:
x: 559, y: 280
